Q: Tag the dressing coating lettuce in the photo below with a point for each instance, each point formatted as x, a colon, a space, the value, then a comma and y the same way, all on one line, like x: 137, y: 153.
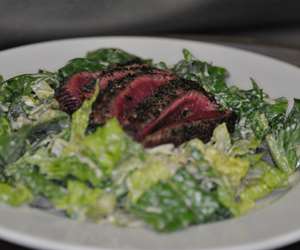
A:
x: 177, y: 203
x: 154, y: 170
x: 284, y: 144
x: 81, y: 202
x: 28, y: 98
x: 14, y: 196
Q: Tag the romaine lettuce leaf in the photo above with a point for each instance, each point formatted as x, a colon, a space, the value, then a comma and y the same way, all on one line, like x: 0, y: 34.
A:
x: 80, y: 119
x: 177, y: 203
x: 212, y: 77
x: 28, y: 175
x: 154, y: 169
x: 40, y: 84
x: 77, y: 199
x: 234, y: 169
x: 64, y: 168
x: 268, y: 179
x: 14, y: 196
x: 244, y: 147
x: 226, y: 169
x: 190, y: 196
x: 78, y: 65
x: 221, y: 139
x: 12, y: 146
x: 29, y: 99
x: 109, y: 56
x: 284, y: 144
x: 5, y: 129
x: 106, y: 147
x: 81, y: 202
x: 29, y: 138
x: 96, y: 60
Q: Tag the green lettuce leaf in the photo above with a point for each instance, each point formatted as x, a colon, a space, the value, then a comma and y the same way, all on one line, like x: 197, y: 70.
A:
x: 12, y: 146
x: 96, y: 60
x: 77, y: 199
x: 284, y: 144
x: 29, y: 99
x: 5, y: 129
x: 24, y: 173
x: 109, y: 56
x: 177, y: 203
x: 232, y: 168
x: 14, y: 196
x: 227, y: 169
x: 80, y: 119
x: 29, y: 138
x: 264, y: 183
x: 221, y: 139
x: 40, y: 84
x: 79, y: 65
x: 188, y: 196
x: 211, y: 77
x: 81, y: 201
x: 153, y: 170
x: 64, y: 168
x: 105, y: 148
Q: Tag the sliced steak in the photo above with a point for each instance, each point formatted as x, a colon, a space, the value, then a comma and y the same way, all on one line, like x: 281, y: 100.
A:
x: 119, y: 72
x: 81, y: 86
x: 184, y: 131
x: 151, y: 107
x: 192, y: 106
x: 126, y: 94
x: 154, y: 106
x: 72, y: 94
x: 140, y: 89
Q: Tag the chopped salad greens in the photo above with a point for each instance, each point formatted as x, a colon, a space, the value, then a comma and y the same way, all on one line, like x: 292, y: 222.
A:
x: 48, y: 160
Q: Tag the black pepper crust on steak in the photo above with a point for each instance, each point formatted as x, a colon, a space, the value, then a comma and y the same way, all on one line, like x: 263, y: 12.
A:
x: 80, y: 86
x: 154, y: 106
x: 106, y: 105
x: 182, y: 132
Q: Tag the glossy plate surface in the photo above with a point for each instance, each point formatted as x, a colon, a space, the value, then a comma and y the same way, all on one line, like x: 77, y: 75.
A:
x: 273, y: 226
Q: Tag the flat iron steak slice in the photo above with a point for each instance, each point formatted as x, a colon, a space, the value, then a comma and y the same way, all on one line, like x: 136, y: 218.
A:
x: 127, y: 92
x: 80, y: 86
x: 191, y: 106
x: 182, y: 132
x: 72, y: 94
x: 137, y: 91
x: 154, y: 104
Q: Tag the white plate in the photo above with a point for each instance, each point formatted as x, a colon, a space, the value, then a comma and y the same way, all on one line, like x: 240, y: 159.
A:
x: 273, y: 226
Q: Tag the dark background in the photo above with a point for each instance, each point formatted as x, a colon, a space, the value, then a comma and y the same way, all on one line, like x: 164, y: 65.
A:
x: 27, y: 21
x: 271, y: 27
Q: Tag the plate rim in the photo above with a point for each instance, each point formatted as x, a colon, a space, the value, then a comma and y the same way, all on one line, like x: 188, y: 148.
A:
x: 179, y: 39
